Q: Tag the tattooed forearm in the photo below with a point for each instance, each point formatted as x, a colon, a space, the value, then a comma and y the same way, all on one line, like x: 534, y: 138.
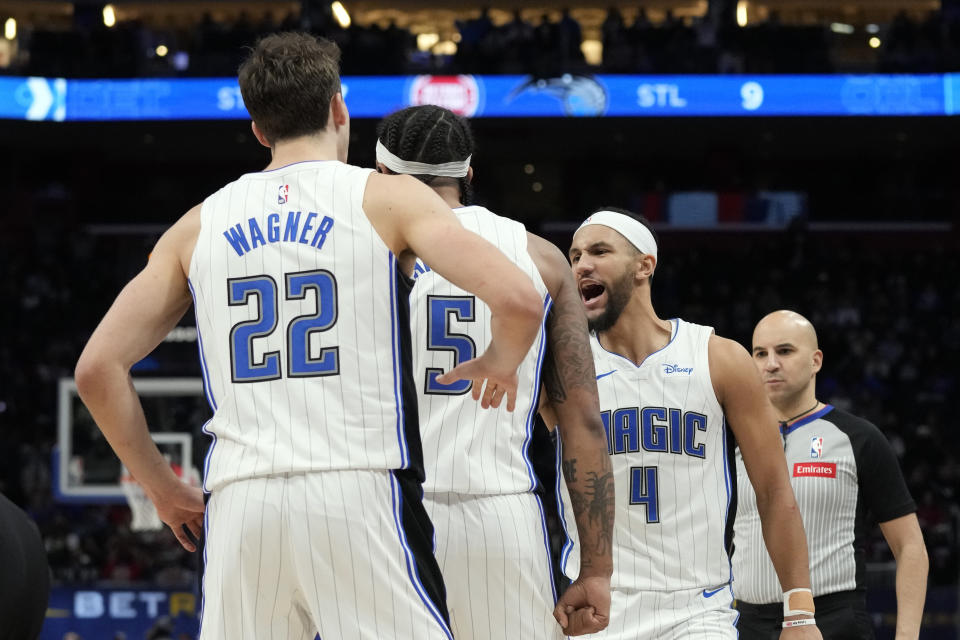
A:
x: 569, y: 361
x: 592, y: 501
x: 552, y: 382
x: 573, y: 405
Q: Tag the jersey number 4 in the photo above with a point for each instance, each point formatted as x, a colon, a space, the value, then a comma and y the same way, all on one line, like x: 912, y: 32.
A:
x: 442, y: 311
x: 643, y: 491
x: 300, y: 364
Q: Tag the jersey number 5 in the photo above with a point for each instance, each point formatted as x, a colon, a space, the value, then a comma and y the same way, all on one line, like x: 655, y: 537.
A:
x: 441, y: 312
x: 299, y: 362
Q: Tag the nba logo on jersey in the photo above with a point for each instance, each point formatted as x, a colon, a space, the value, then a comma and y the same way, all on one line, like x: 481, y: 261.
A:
x: 816, y: 447
x: 283, y: 194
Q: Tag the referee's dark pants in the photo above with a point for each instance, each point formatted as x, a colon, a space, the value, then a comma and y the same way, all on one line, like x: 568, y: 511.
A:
x: 840, y: 616
x: 24, y: 575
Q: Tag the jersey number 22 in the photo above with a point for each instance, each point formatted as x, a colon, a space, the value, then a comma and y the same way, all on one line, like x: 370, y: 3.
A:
x: 299, y: 362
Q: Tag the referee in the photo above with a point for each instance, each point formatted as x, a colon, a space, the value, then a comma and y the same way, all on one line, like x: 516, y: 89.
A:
x: 845, y: 475
x: 24, y: 575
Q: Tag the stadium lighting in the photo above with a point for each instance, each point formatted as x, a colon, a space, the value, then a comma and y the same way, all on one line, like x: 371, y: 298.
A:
x: 742, y: 18
x: 10, y: 29
x: 874, y: 42
x: 840, y: 27
x: 109, y: 15
x: 162, y: 50
x: 425, y: 41
x: 340, y: 14
x: 873, y: 28
x: 592, y: 51
x: 445, y: 48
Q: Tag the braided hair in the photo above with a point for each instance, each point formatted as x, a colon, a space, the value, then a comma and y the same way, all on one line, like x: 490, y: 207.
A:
x: 432, y: 135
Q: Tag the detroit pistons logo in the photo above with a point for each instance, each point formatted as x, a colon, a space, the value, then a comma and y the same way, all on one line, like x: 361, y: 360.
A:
x: 283, y: 194
x: 816, y: 447
x: 460, y: 94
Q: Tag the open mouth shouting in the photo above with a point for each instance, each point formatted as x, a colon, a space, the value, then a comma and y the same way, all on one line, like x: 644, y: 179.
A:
x: 592, y: 293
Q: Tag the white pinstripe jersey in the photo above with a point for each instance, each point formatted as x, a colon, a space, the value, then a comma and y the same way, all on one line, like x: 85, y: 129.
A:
x: 468, y: 449
x: 671, y: 454
x: 303, y: 325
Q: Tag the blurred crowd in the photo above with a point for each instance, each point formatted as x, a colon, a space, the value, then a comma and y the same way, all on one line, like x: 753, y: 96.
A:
x: 888, y: 321
x: 544, y: 45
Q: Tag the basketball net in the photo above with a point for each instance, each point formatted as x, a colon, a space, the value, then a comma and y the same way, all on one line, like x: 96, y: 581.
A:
x: 144, y: 514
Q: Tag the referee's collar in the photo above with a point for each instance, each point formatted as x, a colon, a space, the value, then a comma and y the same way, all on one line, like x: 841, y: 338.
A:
x: 807, y: 419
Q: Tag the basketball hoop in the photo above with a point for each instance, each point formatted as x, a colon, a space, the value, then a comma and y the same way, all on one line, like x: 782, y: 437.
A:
x: 145, y: 517
x: 144, y: 514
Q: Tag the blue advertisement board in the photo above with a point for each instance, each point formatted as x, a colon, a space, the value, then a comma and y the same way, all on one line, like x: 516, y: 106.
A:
x: 59, y: 99
x: 109, y: 614
x: 131, y: 614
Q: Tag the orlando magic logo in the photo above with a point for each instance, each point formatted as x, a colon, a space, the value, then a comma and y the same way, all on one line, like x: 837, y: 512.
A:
x: 580, y: 95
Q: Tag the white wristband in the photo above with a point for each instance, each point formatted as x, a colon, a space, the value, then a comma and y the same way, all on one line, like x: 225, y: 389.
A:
x: 798, y: 623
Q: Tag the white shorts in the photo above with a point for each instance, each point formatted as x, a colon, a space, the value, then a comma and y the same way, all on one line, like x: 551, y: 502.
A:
x: 492, y: 550
x: 701, y: 614
x: 342, y: 554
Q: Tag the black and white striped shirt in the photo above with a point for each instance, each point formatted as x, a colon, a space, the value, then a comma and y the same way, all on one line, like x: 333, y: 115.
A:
x: 845, y: 476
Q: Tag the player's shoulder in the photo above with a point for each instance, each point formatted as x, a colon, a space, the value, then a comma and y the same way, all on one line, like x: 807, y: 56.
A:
x: 477, y: 210
x: 693, y: 330
x: 731, y: 367
x: 723, y: 351
x: 386, y: 184
x: 396, y: 194
x: 485, y: 221
x: 552, y: 265
x: 543, y: 250
x: 181, y: 238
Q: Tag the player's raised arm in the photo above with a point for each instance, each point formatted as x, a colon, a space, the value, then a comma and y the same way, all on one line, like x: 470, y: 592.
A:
x: 570, y: 386
x: 414, y: 221
x: 751, y: 417
x: 142, y: 315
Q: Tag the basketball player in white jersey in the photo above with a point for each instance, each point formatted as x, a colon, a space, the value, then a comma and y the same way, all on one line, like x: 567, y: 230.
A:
x: 673, y: 396
x: 491, y: 538
x: 299, y: 276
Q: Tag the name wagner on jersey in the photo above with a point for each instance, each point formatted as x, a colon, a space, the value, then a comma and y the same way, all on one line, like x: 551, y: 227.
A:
x: 291, y: 231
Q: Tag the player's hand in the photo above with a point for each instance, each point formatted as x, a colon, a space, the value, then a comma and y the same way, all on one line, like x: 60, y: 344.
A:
x: 500, y: 378
x: 181, y: 507
x: 585, y: 606
x: 807, y: 632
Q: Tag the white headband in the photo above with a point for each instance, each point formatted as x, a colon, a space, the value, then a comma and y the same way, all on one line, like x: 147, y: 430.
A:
x: 635, y: 232
x: 457, y: 169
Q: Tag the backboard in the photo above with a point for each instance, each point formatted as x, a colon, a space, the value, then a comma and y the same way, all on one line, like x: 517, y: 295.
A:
x: 85, y: 468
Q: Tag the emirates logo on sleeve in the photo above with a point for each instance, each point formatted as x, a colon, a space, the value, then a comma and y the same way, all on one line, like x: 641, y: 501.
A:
x: 815, y: 469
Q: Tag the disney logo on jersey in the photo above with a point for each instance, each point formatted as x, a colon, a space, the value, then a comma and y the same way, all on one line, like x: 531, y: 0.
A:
x: 816, y: 447
x: 284, y: 194
x: 676, y: 370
